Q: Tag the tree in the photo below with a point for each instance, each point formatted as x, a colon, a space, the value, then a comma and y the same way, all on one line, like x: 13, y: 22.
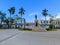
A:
x: 24, y: 22
x: 21, y: 11
x: 16, y: 19
x: 6, y: 21
x: 11, y: 11
x: 52, y: 18
x: 2, y: 16
x: 44, y: 12
x: 51, y: 26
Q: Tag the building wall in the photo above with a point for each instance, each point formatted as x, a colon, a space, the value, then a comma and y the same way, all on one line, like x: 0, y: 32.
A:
x: 56, y: 22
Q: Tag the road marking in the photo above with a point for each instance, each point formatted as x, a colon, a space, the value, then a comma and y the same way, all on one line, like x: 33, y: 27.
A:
x: 10, y: 37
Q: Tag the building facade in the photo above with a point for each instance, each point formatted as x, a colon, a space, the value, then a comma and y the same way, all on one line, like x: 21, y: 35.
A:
x: 46, y: 23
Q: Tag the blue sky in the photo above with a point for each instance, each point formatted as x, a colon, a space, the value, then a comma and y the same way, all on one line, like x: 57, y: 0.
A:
x: 32, y: 7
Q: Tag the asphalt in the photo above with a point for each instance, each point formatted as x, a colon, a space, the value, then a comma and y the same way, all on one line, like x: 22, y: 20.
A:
x: 15, y: 37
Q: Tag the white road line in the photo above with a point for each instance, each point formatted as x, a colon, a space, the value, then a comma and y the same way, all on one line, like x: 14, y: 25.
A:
x: 10, y: 37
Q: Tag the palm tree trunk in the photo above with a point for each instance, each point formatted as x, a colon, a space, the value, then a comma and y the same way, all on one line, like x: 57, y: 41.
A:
x: 24, y: 23
x: 1, y: 21
x: 15, y: 24
x: 45, y: 19
x: 21, y: 20
x: 10, y: 22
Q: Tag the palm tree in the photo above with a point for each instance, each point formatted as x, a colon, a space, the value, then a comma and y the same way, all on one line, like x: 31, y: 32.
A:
x: 17, y: 18
x: 51, y: 26
x: 2, y: 16
x: 11, y: 11
x: 24, y: 22
x: 52, y: 17
x: 44, y: 12
x: 21, y: 11
x: 51, y: 20
x: 6, y: 21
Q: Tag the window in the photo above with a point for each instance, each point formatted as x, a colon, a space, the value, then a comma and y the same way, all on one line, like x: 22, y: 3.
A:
x: 58, y: 22
x: 41, y: 22
x: 46, y: 21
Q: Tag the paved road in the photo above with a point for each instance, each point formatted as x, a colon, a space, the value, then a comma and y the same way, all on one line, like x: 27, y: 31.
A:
x: 31, y: 38
x: 6, y: 34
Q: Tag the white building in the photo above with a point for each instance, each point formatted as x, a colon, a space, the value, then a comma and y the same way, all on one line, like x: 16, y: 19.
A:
x: 45, y: 24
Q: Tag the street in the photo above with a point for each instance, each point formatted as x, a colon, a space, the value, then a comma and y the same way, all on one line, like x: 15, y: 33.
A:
x: 16, y: 37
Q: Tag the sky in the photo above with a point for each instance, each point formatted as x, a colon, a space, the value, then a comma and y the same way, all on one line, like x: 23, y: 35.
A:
x: 32, y: 7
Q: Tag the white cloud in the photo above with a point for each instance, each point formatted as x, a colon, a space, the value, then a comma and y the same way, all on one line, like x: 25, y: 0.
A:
x: 58, y: 15
x: 32, y: 14
x: 47, y: 18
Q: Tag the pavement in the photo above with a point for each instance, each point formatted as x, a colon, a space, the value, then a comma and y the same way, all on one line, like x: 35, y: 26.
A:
x: 16, y: 37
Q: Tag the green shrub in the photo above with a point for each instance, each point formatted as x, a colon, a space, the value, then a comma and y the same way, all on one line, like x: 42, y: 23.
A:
x: 51, y: 26
x: 28, y: 29
x: 47, y: 29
